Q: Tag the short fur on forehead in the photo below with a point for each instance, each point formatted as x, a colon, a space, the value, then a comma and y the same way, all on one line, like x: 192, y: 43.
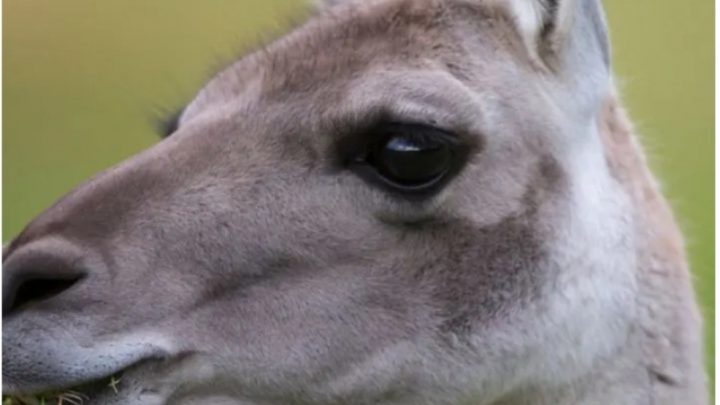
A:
x: 542, y: 24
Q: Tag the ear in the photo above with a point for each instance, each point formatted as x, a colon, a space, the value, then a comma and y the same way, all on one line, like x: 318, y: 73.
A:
x: 568, y: 40
x: 322, y: 4
x: 550, y: 29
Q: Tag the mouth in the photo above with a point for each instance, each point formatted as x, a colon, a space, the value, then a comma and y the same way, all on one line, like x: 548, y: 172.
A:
x: 76, y: 395
x: 83, y: 393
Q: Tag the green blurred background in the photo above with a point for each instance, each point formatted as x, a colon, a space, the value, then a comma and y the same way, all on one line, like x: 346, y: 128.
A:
x: 84, y: 80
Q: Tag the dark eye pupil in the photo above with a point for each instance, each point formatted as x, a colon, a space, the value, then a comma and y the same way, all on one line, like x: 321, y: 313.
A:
x: 412, y: 160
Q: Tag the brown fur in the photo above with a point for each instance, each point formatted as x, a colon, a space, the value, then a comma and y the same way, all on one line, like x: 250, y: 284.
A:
x: 670, y: 321
x: 245, y: 260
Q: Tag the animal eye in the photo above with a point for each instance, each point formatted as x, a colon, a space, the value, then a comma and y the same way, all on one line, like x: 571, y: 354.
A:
x: 411, y: 157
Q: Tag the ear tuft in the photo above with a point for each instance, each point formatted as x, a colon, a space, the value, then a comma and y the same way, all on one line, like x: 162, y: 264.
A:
x: 323, y: 4
x: 543, y: 24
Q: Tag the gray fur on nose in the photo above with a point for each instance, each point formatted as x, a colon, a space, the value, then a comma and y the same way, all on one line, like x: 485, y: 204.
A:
x: 244, y: 259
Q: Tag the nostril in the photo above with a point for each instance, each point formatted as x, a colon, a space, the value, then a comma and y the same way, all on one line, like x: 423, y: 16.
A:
x: 39, y: 271
x: 38, y: 289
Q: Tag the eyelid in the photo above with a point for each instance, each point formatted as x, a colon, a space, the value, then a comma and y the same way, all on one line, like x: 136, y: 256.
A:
x: 422, y: 127
x: 361, y: 144
x: 355, y: 132
x: 361, y: 166
x: 415, y: 129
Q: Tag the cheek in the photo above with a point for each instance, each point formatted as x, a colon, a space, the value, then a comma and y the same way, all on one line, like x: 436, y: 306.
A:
x: 507, y: 181
x: 310, y: 321
x: 471, y: 276
x: 486, y: 196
